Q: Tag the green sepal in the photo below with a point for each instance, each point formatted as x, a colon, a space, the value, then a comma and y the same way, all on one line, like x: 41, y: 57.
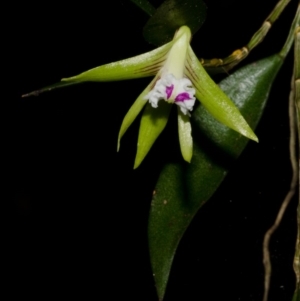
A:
x: 185, y: 136
x: 215, y: 100
x: 147, y: 64
x: 134, y: 110
x: 153, y: 122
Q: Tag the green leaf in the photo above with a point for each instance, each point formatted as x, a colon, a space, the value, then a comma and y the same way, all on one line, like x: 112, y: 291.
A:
x: 152, y: 124
x: 145, y: 5
x: 170, y: 16
x: 183, y: 188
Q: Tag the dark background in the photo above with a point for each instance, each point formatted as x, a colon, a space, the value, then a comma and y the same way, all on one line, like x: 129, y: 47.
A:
x: 78, y: 218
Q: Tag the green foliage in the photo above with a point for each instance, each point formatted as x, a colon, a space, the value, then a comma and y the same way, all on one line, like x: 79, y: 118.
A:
x: 145, y: 5
x: 171, y: 15
x: 183, y: 188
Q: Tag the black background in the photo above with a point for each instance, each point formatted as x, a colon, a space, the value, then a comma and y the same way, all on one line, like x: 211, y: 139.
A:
x: 78, y: 226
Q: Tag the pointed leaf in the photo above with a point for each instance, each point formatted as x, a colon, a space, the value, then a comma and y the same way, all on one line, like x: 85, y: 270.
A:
x: 153, y: 122
x: 183, y: 188
x: 170, y: 16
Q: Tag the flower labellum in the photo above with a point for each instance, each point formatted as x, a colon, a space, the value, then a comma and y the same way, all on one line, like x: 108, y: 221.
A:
x: 172, y: 90
x: 179, y: 79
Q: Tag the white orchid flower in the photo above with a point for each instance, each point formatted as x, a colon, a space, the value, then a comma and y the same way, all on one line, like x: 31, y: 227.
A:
x: 179, y: 78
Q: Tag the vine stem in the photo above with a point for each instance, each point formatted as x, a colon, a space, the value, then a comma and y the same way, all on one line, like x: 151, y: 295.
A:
x: 294, y: 32
x: 217, y: 65
x: 296, y: 91
x: 286, y: 201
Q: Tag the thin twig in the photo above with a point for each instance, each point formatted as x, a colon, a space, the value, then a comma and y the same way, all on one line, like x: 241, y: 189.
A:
x: 287, y: 199
x: 218, y: 65
x: 296, y: 91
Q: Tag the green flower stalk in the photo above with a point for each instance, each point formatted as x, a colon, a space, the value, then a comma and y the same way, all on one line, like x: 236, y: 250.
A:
x: 179, y: 79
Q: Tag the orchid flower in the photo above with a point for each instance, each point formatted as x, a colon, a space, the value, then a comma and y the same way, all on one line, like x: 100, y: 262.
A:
x: 179, y: 79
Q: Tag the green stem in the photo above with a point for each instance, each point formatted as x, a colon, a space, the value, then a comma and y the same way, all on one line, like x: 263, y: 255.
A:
x: 261, y: 33
x: 225, y: 64
x: 294, y: 32
x: 290, y: 39
x: 296, y: 92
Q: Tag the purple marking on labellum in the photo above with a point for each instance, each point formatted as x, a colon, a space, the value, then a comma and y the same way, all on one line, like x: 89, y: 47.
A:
x: 169, y: 91
x: 182, y: 97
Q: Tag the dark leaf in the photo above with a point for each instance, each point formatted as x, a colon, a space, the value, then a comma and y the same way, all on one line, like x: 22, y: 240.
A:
x: 183, y: 188
x: 145, y: 5
x: 171, y: 15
